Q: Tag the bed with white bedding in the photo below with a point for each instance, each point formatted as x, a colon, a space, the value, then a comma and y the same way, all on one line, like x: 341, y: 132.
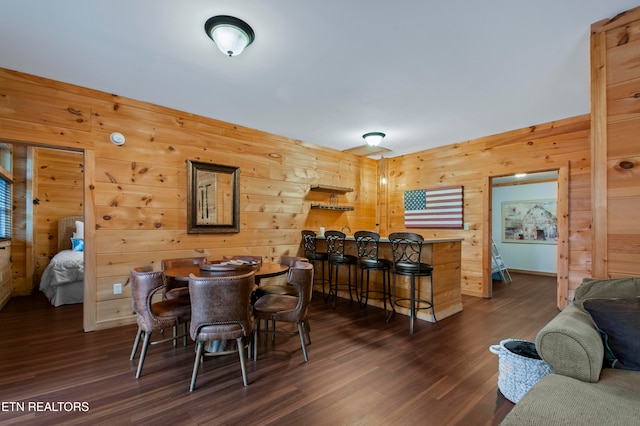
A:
x: 63, y: 279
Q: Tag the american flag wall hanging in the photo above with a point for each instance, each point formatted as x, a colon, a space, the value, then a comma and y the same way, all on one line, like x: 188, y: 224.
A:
x: 433, y: 208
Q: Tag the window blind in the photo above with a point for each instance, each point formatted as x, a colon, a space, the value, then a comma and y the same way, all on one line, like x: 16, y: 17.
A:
x: 5, y: 209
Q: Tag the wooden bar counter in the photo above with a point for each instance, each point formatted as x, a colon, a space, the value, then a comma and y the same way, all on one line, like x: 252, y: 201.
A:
x: 445, y: 256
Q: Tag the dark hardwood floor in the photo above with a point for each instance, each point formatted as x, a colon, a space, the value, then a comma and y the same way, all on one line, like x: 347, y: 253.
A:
x: 361, y: 370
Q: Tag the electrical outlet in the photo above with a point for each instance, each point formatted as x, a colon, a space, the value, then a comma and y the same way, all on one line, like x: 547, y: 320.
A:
x: 466, y: 226
x: 117, y: 288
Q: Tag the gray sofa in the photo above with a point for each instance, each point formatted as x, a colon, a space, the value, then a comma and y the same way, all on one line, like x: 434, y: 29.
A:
x: 583, y: 390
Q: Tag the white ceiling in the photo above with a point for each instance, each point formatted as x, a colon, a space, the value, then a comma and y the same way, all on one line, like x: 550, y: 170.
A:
x: 425, y: 72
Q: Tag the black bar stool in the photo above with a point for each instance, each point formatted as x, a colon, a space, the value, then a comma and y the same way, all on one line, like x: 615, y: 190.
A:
x: 315, y: 257
x: 335, y: 250
x: 367, y: 243
x: 407, y: 250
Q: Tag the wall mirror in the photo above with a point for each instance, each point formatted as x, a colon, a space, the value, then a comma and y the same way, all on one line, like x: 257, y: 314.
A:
x: 213, y: 198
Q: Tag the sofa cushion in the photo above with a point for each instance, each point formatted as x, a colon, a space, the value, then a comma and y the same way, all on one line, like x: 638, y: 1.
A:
x: 562, y: 401
x: 624, y: 379
x: 594, y: 288
x: 618, y: 321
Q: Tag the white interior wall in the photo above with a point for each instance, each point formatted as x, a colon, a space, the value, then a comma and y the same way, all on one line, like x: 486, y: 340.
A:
x: 536, y: 257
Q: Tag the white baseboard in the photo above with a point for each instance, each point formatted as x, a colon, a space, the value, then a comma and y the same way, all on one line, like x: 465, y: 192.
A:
x: 524, y: 271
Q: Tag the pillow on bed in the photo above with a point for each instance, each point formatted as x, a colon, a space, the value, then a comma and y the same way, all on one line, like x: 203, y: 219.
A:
x: 79, y: 234
x: 77, y: 244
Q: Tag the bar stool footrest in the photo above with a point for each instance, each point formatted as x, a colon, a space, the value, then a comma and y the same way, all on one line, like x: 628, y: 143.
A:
x: 417, y: 302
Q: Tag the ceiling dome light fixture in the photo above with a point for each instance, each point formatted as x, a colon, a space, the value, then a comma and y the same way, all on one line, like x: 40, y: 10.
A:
x: 230, y: 34
x: 373, y: 138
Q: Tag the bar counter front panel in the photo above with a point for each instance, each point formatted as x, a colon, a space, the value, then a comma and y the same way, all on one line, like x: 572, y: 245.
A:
x: 445, y: 256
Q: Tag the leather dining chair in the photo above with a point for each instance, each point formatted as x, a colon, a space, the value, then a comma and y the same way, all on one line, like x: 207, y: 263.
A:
x: 154, y: 316
x: 174, y: 287
x: 221, y: 311
x: 279, y: 288
x: 284, y: 287
x: 407, y: 251
x: 287, y: 308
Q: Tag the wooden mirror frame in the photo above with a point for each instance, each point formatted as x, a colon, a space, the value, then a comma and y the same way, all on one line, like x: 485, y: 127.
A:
x: 200, y: 177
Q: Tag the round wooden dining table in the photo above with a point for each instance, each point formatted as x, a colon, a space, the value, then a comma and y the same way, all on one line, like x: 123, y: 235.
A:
x: 265, y: 270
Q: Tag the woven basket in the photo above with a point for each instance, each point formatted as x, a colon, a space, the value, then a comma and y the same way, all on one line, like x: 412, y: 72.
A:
x: 516, y: 373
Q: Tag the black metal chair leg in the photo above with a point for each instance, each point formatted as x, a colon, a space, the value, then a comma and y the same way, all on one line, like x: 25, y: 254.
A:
x: 255, y: 342
x: 384, y: 290
x: 433, y: 308
x: 412, y: 304
x: 326, y: 298
x: 185, y: 333
x: 349, y: 284
x: 334, y: 286
x: 393, y: 302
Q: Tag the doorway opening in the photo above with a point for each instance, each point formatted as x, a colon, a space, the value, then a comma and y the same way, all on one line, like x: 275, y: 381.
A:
x: 48, y: 193
x: 532, y: 234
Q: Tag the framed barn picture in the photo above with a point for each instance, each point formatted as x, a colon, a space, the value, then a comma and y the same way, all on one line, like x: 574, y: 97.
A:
x: 530, y: 222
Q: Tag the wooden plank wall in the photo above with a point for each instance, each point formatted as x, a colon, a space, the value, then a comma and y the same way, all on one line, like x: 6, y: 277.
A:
x: 615, y: 90
x: 7, y: 288
x: 135, y: 194
x: 21, y: 240
x: 550, y: 146
x: 58, y: 181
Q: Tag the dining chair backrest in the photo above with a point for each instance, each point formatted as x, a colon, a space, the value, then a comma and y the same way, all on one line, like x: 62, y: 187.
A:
x: 182, y: 261
x: 335, y: 243
x: 301, y: 277
x: 290, y: 261
x: 223, y: 302
x: 406, y: 248
x: 303, y: 273
x: 176, y: 288
x: 278, y: 285
x: 144, y: 286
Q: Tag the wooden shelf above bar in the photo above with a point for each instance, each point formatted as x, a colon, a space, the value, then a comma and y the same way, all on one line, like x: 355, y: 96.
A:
x: 332, y: 207
x: 327, y: 188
